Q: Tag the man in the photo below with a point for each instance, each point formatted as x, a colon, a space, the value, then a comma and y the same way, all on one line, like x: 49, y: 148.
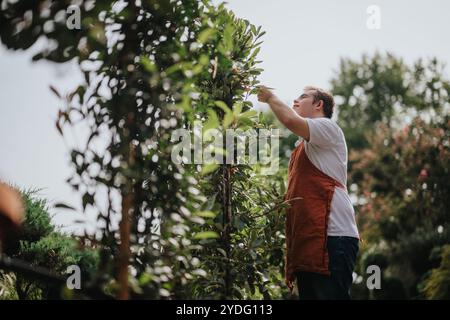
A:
x: 321, y: 233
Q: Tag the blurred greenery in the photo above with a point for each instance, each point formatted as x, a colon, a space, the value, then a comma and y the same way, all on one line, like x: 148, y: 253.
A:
x: 396, y: 120
x: 436, y: 285
x: 41, y: 244
x: 170, y: 231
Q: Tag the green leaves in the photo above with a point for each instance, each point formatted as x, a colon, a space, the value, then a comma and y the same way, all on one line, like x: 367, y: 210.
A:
x: 228, y: 114
x: 212, y: 122
x: 206, y: 235
x: 227, y: 44
x: 209, y: 168
x: 236, y: 194
x: 247, y: 119
x: 41, y: 244
x: 222, y: 105
x: 148, y: 65
x: 172, y: 65
x: 205, y: 214
x: 205, y: 35
x: 249, y: 114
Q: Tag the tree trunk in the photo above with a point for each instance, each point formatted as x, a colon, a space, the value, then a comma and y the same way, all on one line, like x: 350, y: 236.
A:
x: 125, y: 227
x: 227, y: 220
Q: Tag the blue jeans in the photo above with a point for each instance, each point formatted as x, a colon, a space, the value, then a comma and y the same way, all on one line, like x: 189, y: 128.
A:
x: 342, y: 252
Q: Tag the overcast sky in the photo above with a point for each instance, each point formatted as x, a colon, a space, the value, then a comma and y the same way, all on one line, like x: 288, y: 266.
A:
x: 303, y: 45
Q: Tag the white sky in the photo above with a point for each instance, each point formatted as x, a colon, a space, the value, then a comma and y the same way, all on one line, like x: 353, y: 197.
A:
x: 303, y: 45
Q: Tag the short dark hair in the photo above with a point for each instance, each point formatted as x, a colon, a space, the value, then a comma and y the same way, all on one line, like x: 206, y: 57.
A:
x: 326, y: 97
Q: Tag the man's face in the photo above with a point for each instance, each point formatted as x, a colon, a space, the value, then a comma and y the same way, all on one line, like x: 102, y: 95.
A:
x: 304, y: 105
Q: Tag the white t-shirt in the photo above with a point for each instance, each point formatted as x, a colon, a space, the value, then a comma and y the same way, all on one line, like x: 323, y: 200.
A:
x: 327, y: 150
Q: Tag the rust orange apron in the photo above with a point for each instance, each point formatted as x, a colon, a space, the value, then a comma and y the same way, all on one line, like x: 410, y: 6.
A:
x: 309, y: 196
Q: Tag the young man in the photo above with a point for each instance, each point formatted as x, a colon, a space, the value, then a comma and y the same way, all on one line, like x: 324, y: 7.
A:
x: 321, y: 233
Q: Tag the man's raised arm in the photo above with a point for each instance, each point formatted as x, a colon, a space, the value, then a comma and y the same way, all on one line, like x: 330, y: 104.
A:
x: 291, y: 120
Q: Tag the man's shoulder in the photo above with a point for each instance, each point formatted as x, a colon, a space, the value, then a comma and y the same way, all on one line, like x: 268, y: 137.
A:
x: 326, y: 133
x: 324, y: 123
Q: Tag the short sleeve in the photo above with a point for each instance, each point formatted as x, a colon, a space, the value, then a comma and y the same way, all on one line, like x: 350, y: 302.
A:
x: 323, y: 132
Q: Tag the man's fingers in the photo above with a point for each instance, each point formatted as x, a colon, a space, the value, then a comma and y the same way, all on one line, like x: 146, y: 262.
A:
x: 289, y: 284
x: 264, y: 93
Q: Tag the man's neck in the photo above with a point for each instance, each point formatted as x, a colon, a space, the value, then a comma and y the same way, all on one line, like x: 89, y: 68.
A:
x: 318, y: 115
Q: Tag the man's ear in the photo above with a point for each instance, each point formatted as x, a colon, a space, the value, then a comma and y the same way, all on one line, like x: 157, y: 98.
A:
x: 319, y: 105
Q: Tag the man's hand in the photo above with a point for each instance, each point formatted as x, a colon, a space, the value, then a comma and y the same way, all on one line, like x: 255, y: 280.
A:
x: 264, y: 94
x: 290, y: 285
